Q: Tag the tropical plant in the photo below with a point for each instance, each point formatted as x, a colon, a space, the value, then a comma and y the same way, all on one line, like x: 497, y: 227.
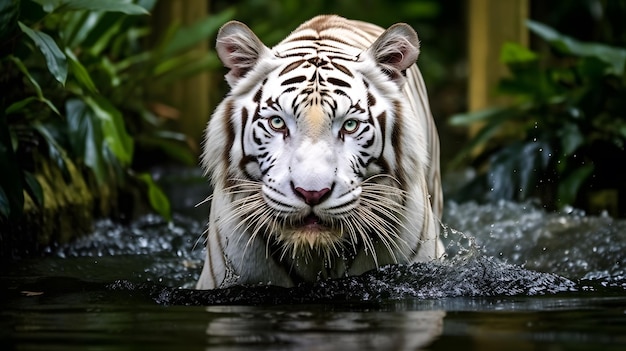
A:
x: 565, y: 129
x: 77, y: 76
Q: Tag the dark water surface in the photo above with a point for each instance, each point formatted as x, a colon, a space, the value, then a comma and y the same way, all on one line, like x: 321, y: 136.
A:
x: 517, y: 278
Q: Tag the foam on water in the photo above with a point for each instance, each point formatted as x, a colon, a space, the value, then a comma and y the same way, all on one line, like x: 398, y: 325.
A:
x: 502, y: 249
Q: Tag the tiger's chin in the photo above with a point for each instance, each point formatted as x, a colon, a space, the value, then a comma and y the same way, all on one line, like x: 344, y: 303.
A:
x: 308, y: 236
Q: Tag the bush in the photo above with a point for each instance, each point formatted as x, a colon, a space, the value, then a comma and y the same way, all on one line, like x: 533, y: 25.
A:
x: 77, y: 75
x: 565, y: 131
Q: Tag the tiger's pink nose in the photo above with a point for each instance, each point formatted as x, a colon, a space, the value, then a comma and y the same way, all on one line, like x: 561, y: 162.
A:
x: 311, y: 197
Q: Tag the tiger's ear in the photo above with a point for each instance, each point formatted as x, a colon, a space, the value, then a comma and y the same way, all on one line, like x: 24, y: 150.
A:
x: 239, y: 49
x: 396, y: 50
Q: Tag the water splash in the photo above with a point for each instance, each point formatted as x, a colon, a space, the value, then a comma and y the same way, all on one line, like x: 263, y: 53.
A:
x: 568, y: 243
x: 503, y: 249
x: 483, y: 276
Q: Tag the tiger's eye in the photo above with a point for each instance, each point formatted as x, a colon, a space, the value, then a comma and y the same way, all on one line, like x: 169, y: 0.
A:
x: 277, y: 124
x: 350, y: 126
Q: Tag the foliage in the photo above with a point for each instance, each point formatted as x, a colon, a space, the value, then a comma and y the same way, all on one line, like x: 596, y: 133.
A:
x: 565, y: 122
x: 79, y: 73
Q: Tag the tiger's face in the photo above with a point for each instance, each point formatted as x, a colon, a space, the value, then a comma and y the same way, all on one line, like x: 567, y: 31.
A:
x: 313, y: 134
x: 311, y: 131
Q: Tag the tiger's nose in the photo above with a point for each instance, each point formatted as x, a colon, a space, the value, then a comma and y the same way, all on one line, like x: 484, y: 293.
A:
x: 311, y: 197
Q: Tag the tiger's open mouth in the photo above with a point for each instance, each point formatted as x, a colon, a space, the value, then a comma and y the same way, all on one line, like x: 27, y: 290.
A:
x: 311, y: 221
x: 313, y: 224
x: 310, y: 232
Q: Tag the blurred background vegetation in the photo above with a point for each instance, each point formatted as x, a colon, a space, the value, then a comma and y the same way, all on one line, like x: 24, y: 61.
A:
x: 96, y: 94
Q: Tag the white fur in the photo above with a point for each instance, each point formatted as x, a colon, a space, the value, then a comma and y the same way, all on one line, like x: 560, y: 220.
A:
x: 315, y: 153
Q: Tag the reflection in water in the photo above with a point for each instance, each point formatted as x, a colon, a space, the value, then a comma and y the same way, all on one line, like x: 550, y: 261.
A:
x: 294, y: 327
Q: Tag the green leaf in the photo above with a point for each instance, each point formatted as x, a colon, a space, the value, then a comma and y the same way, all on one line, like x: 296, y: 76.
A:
x: 99, y: 39
x: 157, y: 198
x: 21, y: 104
x: 49, y: 5
x: 20, y: 65
x: 113, y: 129
x: 33, y: 188
x: 55, y: 59
x: 187, y: 37
x: 568, y: 187
x: 85, y: 136
x: 571, y: 138
x: 18, y: 106
x: 516, y: 53
x: 491, y: 113
x: 80, y: 73
x: 55, y: 151
x: 77, y: 27
x: 92, y: 5
x: 615, y: 57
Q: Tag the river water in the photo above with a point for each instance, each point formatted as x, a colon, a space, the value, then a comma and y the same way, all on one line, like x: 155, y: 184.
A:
x: 516, y: 278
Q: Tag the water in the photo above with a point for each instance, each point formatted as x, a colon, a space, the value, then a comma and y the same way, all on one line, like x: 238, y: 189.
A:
x: 516, y: 277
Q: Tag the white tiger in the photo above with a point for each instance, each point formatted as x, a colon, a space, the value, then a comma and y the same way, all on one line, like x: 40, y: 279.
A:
x: 324, y: 156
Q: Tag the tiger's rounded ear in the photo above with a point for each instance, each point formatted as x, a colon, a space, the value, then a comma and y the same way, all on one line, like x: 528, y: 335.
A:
x: 396, y: 50
x: 239, y: 49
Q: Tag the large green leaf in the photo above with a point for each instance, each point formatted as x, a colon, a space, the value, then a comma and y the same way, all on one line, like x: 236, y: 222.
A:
x: 80, y: 73
x: 615, y: 57
x: 157, y: 198
x: 55, y: 59
x: 123, y: 6
x: 113, y: 129
x: 85, y: 136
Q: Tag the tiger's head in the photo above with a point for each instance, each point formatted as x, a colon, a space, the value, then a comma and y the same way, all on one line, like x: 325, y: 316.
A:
x: 306, y: 144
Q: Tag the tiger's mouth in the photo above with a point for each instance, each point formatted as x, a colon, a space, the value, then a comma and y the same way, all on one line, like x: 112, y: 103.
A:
x: 311, y: 222
x: 310, y: 232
